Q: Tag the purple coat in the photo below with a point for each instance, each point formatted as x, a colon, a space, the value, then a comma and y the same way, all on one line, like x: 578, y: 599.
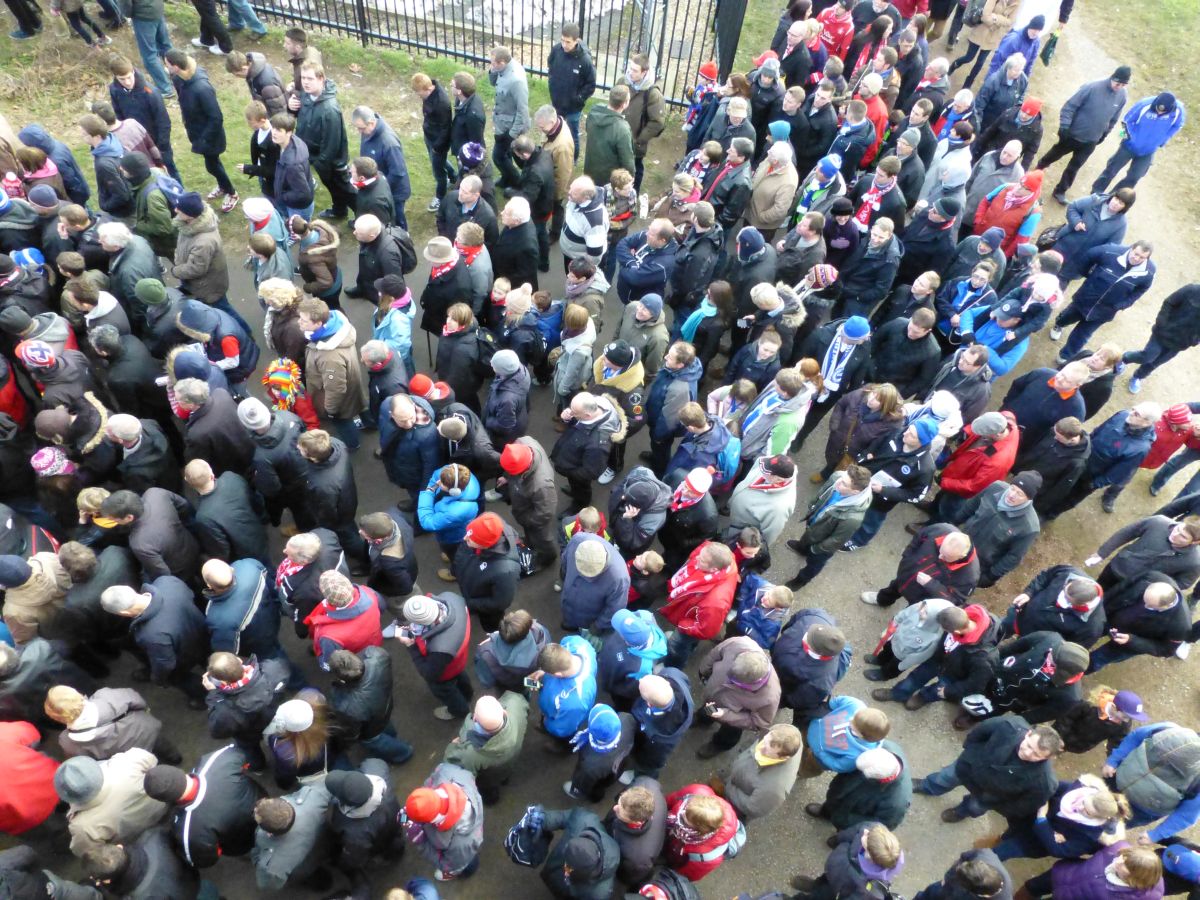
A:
x: 1084, y: 879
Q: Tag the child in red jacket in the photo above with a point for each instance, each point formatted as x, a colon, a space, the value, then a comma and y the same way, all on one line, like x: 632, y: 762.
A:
x: 701, y: 595
x: 702, y: 830
x: 28, y: 797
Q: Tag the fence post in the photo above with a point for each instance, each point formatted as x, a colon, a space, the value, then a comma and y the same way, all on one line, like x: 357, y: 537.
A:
x: 360, y: 15
x: 730, y: 15
x: 581, y: 15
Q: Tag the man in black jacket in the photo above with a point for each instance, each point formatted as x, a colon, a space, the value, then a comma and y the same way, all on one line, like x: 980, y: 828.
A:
x: 158, y: 537
x: 814, y: 126
x: 365, y: 819
x: 1036, y: 676
x: 278, y: 470
x: 696, y: 259
x: 1061, y: 599
x: 638, y: 823
x: 437, y: 635
x: 242, y: 699
x: 1060, y: 458
x: 1005, y: 765
x: 169, y: 630
x: 939, y: 561
x: 213, y: 432
x: 373, y: 194
x: 572, y: 78
x: 436, y: 117
x: 202, y: 120
x: 213, y: 807
x: 331, y: 493
x: 381, y: 251
x: 146, y: 460
x: 129, y: 372
x: 580, y: 454
x: 905, y: 353
x: 361, y: 697
x: 467, y: 127
x: 467, y: 205
x: 729, y: 190
x: 487, y: 568
x: 536, y: 186
x: 968, y: 377
x: 929, y: 238
x: 1147, y: 615
x: 320, y: 125
x: 1176, y: 328
x: 393, y: 557
x: 230, y: 526
x: 807, y: 656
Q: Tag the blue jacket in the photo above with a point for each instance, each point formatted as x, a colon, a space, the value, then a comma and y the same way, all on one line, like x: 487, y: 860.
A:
x: 447, y: 516
x: 832, y: 742
x: 506, y: 412
x: 1074, y: 244
x: 1016, y: 41
x: 171, y: 631
x: 144, y: 104
x: 113, y: 193
x: 754, y: 620
x: 1109, y: 288
x: 201, y: 113
x: 643, y: 270
x: 395, y: 329
x: 701, y: 451
x: 620, y: 666
x: 1145, y: 130
x: 669, y: 391
x: 669, y: 728
x: 1186, y: 813
x: 293, y: 185
x: 1001, y: 360
x: 244, y: 618
x: 549, y: 323
x: 72, y: 176
x: 565, y: 702
x: 1038, y: 406
x: 384, y: 147
x: 409, y: 457
x: 591, y: 602
x: 1116, y: 451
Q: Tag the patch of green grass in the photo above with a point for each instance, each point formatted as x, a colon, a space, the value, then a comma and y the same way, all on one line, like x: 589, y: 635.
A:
x: 762, y: 17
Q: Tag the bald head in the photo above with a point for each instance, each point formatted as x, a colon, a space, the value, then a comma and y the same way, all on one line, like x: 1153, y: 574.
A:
x: 199, y: 476
x: 217, y: 574
x: 656, y: 691
x: 489, y: 714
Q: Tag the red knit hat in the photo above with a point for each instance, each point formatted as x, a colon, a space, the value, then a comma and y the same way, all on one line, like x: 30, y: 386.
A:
x: 516, y: 459
x: 1033, y: 181
x: 709, y: 70
x: 485, y: 530
x: 420, y: 385
x: 764, y: 56
x: 1179, y: 414
x: 441, y: 806
x: 1032, y: 106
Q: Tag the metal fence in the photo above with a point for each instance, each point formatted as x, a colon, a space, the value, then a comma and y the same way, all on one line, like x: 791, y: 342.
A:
x: 678, y: 35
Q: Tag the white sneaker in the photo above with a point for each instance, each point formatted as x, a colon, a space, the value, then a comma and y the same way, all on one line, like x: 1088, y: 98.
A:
x: 196, y: 42
x: 491, y: 496
x: 1183, y: 650
x: 627, y: 777
x: 390, y: 631
x: 871, y: 598
x: 444, y: 714
x: 1055, y: 333
x: 215, y: 50
x: 434, y: 205
x: 606, y: 476
x: 557, y: 587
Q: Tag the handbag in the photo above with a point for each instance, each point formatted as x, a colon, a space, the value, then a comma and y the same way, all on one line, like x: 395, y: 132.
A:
x: 1048, y: 49
x: 1048, y: 237
x: 527, y: 560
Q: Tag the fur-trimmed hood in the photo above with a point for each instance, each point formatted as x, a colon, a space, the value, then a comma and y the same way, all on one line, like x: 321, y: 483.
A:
x: 619, y: 424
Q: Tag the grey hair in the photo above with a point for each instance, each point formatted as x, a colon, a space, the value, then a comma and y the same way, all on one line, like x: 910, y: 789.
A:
x: 780, y: 151
x: 1017, y: 59
x: 305, y: 547
x: 124, y: 427
x: 548, y: 115
x: 941, y: 65
x: 472, y: 183
x: 118, y: 599
x: 192, y: 391
x: 750, y: 666
x: 587, y: 401
x: 966, y: 95
x: 518, y: 208
x: 104, y: 338
x: 584, y: 183
x: 10, y: 660
x: 366, y: 114
x: 374, y: 352
x: 115, y: 233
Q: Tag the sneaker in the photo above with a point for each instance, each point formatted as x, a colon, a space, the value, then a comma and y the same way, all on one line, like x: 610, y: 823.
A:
x: 1153, y: 489
x: 439, y: 875
x: 214, y: 194
x: 230, y: 203
x: 491, y: 496
x: 1061, y: 197
x: 871, y: 598
x: 1108, y: 504
x: 390, y: 631
x: 850, y: 547
x: 196, y: 42
x: 104, y: 41
x: 20, y: 35
x: 606, y: 476
x: 216, y: 51
x: 626, y: 777
x: 557, y: 587
x: 1055, y: 333
x: 1183, y: 650
x: 434, y: 205
x: 444, y: 714
x: 332, y: 213
x: 570, y: 791
x: 446, y: 575
x: 1119, y: 367
x: 1134, y: 386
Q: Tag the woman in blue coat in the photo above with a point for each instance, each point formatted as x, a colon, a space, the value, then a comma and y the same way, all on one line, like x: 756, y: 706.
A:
x: 1080, y: 818
x: 1091, y: 222
x: 447, y: 506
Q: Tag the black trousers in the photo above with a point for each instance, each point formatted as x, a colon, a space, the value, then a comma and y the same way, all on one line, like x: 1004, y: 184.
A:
x: 27, y: 14
x: 337, y: 181
x: 510, y: 176
x: 1079, y: 152
x: 212, y: 26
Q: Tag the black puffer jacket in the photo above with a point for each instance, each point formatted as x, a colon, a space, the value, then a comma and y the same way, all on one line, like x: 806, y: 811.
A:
x: 515, y: 255
x: 439, y: 294
x: 330, y: 488
x: 220, y: 820
x: 488, y: 578
x: 391, y: 253
x: 171, y: 631
x: 242, y: 710
x: 82, y: 618
x: 640, y: 845
x: 370, y: 830
x: 1019, y: 681
x: 394, y: 562
x: 652, y: 499
x: 949, y: 888
x: 151, y: 464
x: 215, y: 435
x: 364, y: 707
x: 696, y: 259
x: 464, y: 361
x: 385, y: 381
x: 991, y: 770
x: 897, y: 359
x: 23, y: 693
x: 1042, y: 612
x: 278, y: 468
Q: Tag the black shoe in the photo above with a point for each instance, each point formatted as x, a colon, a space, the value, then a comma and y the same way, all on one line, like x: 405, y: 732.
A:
x: 871, y: 659
x: 332, y: 213
x: 1108, y: 504
x: 797, y: 583
x: 794, y: 544
x: 914, y: 527
x: 709, y: 750
x: 646, y: 456
x: 874, y: 675
x: 952, y: 815
x: 1061, y: 196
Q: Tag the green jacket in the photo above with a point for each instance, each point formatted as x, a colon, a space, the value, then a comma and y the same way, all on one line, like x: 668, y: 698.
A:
x: 501, y: 749
x: 838, y: 523
x: 609, y: 144
x: 153, y: 219
x: 319, y: 124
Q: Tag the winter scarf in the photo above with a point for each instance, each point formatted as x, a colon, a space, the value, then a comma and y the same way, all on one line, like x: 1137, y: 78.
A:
x: 703, y: 311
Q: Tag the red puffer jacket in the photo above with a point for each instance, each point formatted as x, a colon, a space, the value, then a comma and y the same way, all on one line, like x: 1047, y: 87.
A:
x: 975, y: 464
x: 695, y: 860
x: 28, y: 797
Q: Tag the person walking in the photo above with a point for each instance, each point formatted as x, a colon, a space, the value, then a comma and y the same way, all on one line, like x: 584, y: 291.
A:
x: 510, y: 112
x: 572, y: 78
x: 203, y: 122
x: 1083, y: 123
x: 319, y: 124
x: 1145, y: 129
x: 646, y: 113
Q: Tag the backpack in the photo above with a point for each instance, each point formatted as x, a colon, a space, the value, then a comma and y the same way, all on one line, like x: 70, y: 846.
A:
x: 528, y: 843
x: 488, y: 345
x: 674, y: 885
x: 170, y: 188
x: 974, y: 14
x: 729, y: 460
x: 407, y: 251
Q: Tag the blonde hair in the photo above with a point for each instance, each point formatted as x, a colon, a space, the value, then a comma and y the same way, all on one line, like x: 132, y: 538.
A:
x: 620, y: 178
x: 460, y: 314
x: 279, y: 293
x: 810, y: 370
x: 1144, y: 867
x: 704, y: 814
x: 883, y: 847
x: 890, y: 401
x: 575, y: 316
x: 90, y: 499
x: 653, y: 561
x: 63, y: 704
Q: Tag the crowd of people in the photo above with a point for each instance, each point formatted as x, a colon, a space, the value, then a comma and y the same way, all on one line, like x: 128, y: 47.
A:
x: 846, y: 240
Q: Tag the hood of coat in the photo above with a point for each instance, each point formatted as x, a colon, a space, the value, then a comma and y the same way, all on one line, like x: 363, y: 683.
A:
x: 328, y: 95
x: 344, y: 336
x: 615, y: 422
x: 585, y: 340
x: 327, y: 240
x: 36, y: 136
x: 110, y: 147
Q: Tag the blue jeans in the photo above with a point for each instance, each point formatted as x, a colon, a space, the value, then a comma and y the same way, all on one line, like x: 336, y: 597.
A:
x: 871, y: 524
x: 572, y: 120
x: 242, y: 15
x: 1082, y: 331
x: 680, y: 648
x: 1138, y: 166
x: 1108, y: 653
x: 443, y: 172
x: 287, y: 212
x: 401, y: 219
x: 918, y: 679
x: 225, y: 306
x: 388, y: 747
x: 153, y: 41
x: 347, y: 431
x: 1180, y: 460
x: 1150, y: 358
